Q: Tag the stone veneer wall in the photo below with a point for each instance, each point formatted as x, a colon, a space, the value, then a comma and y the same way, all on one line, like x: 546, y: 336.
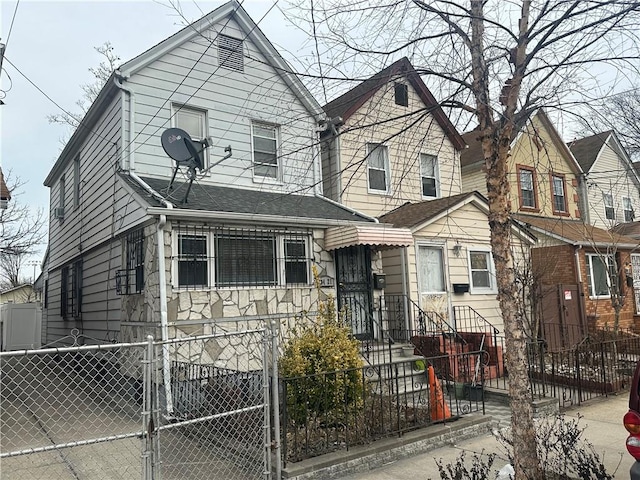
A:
x: 212, y: 311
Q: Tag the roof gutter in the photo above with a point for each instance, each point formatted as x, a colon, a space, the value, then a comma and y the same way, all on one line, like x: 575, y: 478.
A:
x: 250, y: 217
x: 349, y: 209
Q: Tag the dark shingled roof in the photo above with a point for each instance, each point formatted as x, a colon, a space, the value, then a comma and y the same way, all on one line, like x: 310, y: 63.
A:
x: 215, y: 198
x: 586, y: 149
x: 5, y: 194
x: 348, y: 103
x: 412, y: 214
x: 473, y: 152
x: 576, y: 232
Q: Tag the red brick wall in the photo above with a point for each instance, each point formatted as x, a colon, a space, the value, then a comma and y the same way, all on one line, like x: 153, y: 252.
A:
x: 553, y: 265
x: 556, y: 265
x: 600, y: 312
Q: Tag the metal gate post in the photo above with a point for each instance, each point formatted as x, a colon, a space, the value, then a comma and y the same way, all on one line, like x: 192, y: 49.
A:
x: 147, y: 411
x: 275, y: 397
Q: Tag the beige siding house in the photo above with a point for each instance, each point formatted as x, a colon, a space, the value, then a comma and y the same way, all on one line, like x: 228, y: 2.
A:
x: 610, y: 189
x: 449, y: 269
x: 543, y: 174
x: 390, y: 151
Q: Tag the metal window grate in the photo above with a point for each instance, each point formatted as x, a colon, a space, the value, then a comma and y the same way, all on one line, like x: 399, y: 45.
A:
x: 239, y: 257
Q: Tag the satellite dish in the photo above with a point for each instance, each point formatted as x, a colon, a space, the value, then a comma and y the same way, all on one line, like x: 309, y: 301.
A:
x: 178, y: 145
x: 187, y: 153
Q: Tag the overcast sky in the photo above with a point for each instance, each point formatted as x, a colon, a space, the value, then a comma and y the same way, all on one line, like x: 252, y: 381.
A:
x: 52, y: 44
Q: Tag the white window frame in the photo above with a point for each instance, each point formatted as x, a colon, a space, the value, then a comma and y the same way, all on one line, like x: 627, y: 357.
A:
x: 609, y: 204
x: 421, y: 280
x: 177, y: 109
x: 62, y: 192
x: 211, y: 258
x: 370, y: 147
x: 278, y: 165
x: 436, y: 174
x: 490, y: 268
x: 562, y: 194
x: 532, y: 177
x: 589, y: 265
x: 628, y: 202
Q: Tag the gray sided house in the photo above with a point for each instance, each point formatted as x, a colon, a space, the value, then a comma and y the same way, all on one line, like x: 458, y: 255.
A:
x: 130, y: 254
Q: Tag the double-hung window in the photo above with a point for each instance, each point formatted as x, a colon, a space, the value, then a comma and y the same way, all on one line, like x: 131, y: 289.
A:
x: 481, y: 271
x: 600, y: 271
x: 265, y: 150
x: 629, y: 214
x: 527, y: 188
x: 378, y: 167
x: 193, y: 260
x: 559, y: 194
x: 194, y: 122
x: 241, y: 258
x: 609, y: 209
x: 429, y: 175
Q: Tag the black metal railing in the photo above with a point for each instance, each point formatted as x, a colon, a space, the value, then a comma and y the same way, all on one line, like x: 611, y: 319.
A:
x: 337, y: 410
x: 591, y: 369
x: 404, y: 315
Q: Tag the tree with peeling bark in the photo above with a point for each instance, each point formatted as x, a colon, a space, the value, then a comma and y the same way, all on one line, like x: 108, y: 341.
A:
x: 496, y: 62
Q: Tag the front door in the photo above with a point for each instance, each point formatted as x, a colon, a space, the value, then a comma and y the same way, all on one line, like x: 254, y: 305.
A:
x: 353, y: 266
x: 635, y: 269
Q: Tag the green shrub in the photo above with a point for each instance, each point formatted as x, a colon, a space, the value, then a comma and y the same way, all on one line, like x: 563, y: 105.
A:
x: 322, y: 363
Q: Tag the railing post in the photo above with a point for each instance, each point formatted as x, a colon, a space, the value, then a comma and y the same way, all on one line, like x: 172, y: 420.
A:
x: 147, y: 411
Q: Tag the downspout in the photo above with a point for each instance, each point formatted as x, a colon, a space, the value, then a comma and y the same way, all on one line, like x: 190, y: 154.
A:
x: 162, y: 277
x: 118, y: 79
x: 583, y: 200
x: 577, y: 255
x: 164, y: 327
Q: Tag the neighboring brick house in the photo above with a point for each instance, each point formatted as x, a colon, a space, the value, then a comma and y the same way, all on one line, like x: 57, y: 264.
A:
x: 573, y: 253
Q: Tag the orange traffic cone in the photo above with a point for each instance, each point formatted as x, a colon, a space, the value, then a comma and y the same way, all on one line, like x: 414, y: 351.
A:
x: 439, y: 408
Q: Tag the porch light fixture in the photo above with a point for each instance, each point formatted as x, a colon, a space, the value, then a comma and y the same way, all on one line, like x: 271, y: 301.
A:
x: 457, y: 249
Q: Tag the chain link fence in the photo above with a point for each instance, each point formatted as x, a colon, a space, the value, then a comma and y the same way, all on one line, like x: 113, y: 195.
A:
x: 189, y: 408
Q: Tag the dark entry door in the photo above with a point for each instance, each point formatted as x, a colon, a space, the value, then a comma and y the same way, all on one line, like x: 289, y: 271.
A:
x: 563, y: 317
x: 353, y: 265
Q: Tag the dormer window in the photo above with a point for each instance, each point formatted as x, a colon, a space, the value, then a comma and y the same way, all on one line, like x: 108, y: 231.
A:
x: 402, y: 94
x: 230, y: 54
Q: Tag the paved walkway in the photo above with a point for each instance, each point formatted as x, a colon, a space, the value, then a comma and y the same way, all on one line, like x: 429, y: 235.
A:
x: 602, y: 419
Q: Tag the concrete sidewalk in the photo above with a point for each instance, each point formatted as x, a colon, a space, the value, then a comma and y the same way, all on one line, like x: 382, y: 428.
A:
x: 601, y: 418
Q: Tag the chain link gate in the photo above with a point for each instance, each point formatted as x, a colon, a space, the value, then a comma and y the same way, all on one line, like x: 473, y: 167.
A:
x: 96, y: 412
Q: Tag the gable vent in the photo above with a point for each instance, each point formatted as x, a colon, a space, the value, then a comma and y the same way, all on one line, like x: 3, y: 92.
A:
x: 230, y: 53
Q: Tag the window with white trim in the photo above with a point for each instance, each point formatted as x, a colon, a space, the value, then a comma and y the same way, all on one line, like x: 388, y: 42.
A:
x: 431, y: 269
x: 481, y: 271
x: 230, y: 53
x: 194, y: 122
x: 378, y: 167
x: 264, y: 139
x: 599, y: 274
x: 527, y: 188
x: 429, y: 175
x: 559, y: 196
x: 224, y: 257
x: 609, y: 209
x: 627, y: 205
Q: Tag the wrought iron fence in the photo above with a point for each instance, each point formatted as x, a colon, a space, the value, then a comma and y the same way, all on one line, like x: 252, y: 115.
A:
x: 591, y: 369
x: 337, y: 410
